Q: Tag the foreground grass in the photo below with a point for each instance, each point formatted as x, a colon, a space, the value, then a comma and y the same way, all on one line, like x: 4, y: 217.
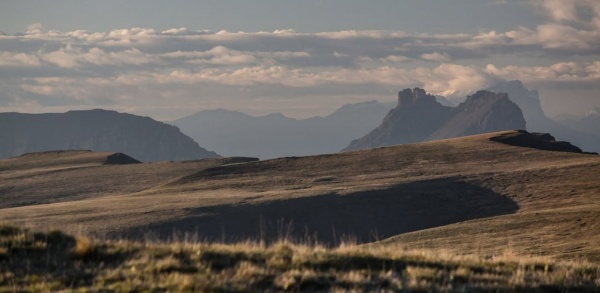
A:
x: 55, y: 261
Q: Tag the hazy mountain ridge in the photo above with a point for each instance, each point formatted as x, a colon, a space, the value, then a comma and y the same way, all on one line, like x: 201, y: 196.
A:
x: 529, y: 101
x: 420, y: 117
x: 275, y: 135
x: 589, y: 123
x: 99, y: 130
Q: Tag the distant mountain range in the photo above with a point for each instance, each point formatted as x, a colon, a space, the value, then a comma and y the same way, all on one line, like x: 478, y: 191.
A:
x: 420, y: 117
x: 589, y: 124
x: 237, y: 134
x: 233, y: 133
x: 583, y: 133
x: 98, y: 130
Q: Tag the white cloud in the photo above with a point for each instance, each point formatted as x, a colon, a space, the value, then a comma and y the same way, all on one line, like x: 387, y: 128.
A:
x: 583, y: 12
x: 75, y: 57
x: 176, y: 31
x: 34, y: 28
x: 199, y: 66
x: 435, y: 56
x: 18, y: 59
x: 559, y: 9
x: 563, y: 72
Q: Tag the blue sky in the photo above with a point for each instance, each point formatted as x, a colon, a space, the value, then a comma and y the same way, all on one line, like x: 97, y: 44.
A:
x: 168, y: 59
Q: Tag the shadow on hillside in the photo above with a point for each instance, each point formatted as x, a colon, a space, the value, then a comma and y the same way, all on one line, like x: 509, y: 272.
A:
x: 331, y: 218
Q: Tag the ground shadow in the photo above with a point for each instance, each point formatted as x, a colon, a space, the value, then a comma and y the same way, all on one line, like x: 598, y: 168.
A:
x: 330, y: 218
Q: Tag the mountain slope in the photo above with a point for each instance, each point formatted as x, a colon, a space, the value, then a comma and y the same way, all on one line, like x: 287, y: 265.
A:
x: 419, y: 117
x: 238, y: 134
x: 482, y: 112
x: 98, y: 130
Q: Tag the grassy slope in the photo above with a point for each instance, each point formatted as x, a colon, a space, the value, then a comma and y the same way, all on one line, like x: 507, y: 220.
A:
x: 33, y: 262
x: 63, y: 176
x: 372, y: 194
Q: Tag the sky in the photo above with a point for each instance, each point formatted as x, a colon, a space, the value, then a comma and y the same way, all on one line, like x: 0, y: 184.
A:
x: 169, y: 59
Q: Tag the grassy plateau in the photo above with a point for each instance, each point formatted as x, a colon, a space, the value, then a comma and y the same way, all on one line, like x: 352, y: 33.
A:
x: 464, y: 214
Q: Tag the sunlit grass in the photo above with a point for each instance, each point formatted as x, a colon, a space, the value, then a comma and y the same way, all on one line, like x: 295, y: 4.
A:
x: 55, y: 261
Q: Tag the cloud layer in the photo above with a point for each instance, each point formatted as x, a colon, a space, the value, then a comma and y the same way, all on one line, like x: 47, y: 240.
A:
x: 181, y: 70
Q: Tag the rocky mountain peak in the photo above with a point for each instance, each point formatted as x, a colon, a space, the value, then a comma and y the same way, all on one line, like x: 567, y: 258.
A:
x: 409, y: 97
x: 476, y: 100
x: 419, y: 117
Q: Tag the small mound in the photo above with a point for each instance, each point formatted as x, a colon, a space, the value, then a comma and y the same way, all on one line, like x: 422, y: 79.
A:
x: 237, y: 160
x: 54, y: 153
x: 540, y: 141
x: 120, y: 159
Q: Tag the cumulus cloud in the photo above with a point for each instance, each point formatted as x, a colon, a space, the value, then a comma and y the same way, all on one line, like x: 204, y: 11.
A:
x: 583, y: 12
x: 435, y: 56
x: 187, y: 66
x: 18, y: 59
x: 34, y: 28
x: 563, y: 72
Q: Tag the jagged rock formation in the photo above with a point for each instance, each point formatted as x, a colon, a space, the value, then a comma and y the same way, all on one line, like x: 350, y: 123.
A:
x: 540, y: 141
x: 529, y: 102
x: 419, y: 117
x: 238, y: 134
x: 98, y: 130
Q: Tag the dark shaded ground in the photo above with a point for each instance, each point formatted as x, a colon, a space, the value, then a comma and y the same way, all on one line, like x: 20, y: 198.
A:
x: 120, y: 159
x: 52, y: 258
x: 331, y: 218
x: 540, y: 141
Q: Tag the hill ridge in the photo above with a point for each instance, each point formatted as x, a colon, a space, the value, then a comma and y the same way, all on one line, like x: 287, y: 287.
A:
x: 98, y: 130
x: 367, y: 194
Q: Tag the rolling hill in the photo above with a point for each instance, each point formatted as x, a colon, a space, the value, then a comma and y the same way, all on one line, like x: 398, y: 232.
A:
x: 142, y: 138
x: 475, y: 194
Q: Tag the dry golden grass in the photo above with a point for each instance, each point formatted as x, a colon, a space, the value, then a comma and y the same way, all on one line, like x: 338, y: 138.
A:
x: 56, y: 261
x: 467, y: 195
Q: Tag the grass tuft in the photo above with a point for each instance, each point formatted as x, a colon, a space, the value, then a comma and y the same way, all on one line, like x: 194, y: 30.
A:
x: 83, y: 247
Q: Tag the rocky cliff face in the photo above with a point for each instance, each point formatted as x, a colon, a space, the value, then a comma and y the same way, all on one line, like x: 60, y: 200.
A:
x: 99, y: 130
x: 480, y: 113
x: 416, y: 117
x: 540, y: 141
x: 419, y: 117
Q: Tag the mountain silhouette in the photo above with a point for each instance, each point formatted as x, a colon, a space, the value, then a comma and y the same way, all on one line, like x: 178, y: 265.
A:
x: 234, y: 133
x: 420, y: 117
x: 529, y: 101
x: 98, y: 130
